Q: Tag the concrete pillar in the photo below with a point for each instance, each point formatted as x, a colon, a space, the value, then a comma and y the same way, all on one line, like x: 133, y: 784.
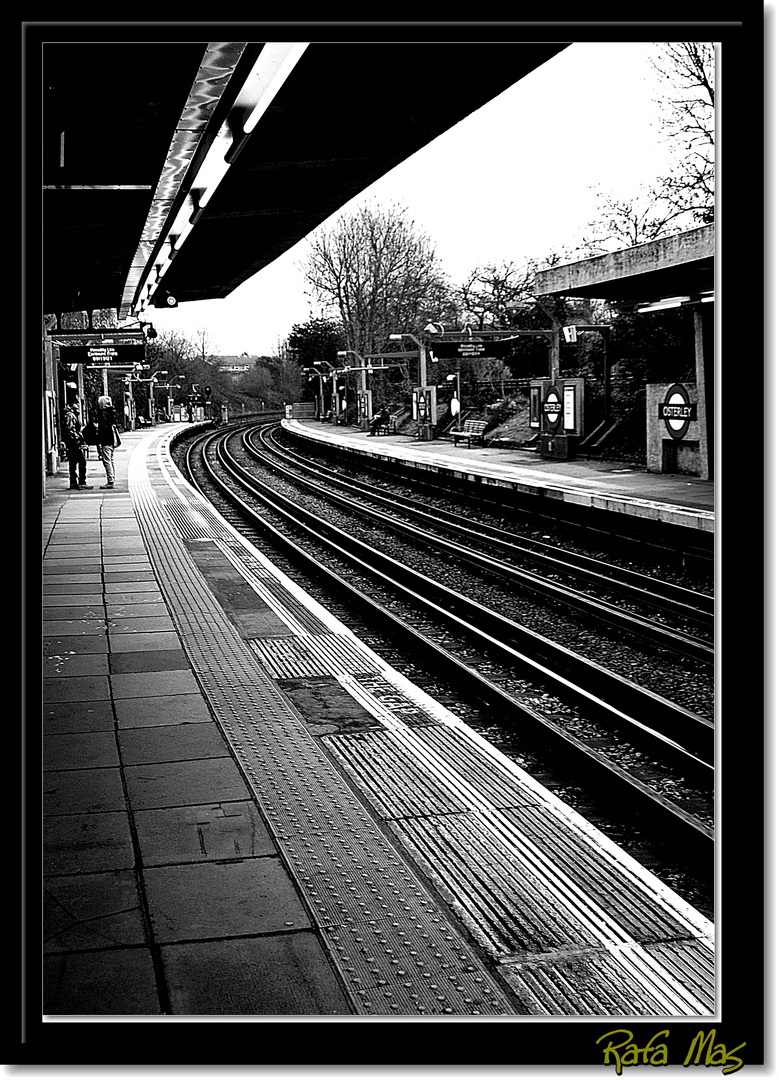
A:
x: 700, y: 378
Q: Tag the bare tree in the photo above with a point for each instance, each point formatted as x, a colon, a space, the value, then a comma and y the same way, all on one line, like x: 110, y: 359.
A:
x: 492, y: 290
x: 685, y: 196
x: 379, y: 273
x: 624, y: 223
x: 687, y: 69
x: 203, y: 346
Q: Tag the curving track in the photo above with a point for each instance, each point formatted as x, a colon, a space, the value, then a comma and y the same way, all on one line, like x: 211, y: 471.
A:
x: 633, y: 745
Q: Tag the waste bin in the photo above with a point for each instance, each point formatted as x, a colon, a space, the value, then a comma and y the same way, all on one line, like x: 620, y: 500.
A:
x: 560, y: 447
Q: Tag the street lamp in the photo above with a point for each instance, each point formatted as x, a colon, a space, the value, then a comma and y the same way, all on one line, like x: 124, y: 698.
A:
x: 333, y: 373
x: 425, y: 428
x: 152, y: 405
x: 457, y: 411
x: 365, y: 410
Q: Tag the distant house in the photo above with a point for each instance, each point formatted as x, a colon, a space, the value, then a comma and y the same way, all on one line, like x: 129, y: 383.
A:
x: 234, y: 365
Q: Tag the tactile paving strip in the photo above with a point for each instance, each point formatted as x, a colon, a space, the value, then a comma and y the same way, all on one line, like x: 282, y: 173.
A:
x: 460, y: 777
x: 306, y: 655
x: 614, y: 981
x: 385, y: 922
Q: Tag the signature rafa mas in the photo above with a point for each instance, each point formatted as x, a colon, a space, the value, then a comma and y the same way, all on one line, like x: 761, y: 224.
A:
x: 621, y: 1051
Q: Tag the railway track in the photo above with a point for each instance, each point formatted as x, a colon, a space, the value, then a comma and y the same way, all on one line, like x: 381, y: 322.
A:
x: 505, y: 555
x: 616, y: 535
x: 642, y: 751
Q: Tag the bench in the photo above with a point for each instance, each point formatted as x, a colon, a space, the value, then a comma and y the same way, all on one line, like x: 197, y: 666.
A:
x: 472, y: 429
x: 385, y: 429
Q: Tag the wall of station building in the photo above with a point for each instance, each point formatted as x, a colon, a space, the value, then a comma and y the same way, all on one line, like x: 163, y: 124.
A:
x: 675, y: 433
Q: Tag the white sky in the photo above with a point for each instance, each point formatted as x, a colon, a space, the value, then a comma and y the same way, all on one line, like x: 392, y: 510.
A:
x: 515, y: 180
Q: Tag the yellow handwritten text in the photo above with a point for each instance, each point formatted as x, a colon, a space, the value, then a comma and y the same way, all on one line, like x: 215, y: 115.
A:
x: 621, y: 1051
x: 627, y: 1052
x: 716, y: 1054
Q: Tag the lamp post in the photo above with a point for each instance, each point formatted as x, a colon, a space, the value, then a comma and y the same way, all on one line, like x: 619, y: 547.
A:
x: 152, y: 386
x: 458, y: 412
x: 332, y: 372
x: 365, y: 408
x: 425, y: 428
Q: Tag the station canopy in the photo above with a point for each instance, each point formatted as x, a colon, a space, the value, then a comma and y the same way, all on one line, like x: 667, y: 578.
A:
x: 676, y: 266
x: 136, y: 134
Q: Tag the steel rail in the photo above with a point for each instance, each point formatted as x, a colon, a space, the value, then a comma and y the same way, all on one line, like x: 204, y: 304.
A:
x: 632, y: 531
x: 612, y: 777
x: 604, y: 611
x: 681, y: 731
x: 675, y: 599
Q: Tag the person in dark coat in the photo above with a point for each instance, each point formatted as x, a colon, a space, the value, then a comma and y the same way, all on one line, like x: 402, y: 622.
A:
x: 74, y: 442
x: 379, y: 420
x: 106, y: 418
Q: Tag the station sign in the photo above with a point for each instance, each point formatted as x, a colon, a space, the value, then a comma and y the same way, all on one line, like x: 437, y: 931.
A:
x: 677, y: 411
x: 553, y: 408
x: 475, y: 349
x: 104, y: 355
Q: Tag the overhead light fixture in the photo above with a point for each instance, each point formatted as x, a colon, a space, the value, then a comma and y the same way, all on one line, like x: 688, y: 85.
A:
x: 663, y: 305
x: 267, y: 76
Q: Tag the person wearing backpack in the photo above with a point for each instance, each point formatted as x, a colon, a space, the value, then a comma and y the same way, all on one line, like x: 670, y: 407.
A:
x: 106, y: 437
x: 74, y: 442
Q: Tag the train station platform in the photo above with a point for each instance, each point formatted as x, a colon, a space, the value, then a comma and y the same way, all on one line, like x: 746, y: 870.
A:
x: 680, y: 500
x: 246, y: 812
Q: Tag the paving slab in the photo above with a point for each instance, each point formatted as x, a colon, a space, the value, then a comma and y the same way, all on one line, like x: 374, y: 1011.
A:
x: 116, y: 982
x: 84, y: 843
x: 146, y: 684
x: 76, y: 627
x: 184, y: 783
x: 213, y: 831
x: 62, y: 665
x: 82, y: 791
x: 94, y: 749
x: 285, y: 974
x: 140, y: 641
x: 134, y: 596
x: 165, y: 660
x: 63, y: 716
x: 92, y: 911
x: 78, y: 688
x: 182, y: 709
x: 141, y: 625
x: 89, y: 609
x: 237, y: 898
x: 71, y: 644
x: 73, y: 598
x: 184, y: 742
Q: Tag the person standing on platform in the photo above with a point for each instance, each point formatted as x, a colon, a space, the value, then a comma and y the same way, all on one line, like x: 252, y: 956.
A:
x: 74, y: 441
x: 106, y: 437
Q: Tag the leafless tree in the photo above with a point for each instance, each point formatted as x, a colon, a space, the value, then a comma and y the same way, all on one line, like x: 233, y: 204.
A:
x: 688, y: 71
x: 624, y: 223
x: 203, y: 345
x: 379, y: 273
x: 490, y: 291
x: 685, y: 196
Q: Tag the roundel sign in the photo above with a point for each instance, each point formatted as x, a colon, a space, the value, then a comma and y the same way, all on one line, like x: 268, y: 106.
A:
x: 677, y: 411
x: 553, y: 407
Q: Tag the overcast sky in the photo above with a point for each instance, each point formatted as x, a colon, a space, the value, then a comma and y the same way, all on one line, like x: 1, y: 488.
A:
x: 588, y: 119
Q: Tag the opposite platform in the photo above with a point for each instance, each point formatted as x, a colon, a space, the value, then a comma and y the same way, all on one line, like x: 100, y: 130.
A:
x: 600, y: 485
